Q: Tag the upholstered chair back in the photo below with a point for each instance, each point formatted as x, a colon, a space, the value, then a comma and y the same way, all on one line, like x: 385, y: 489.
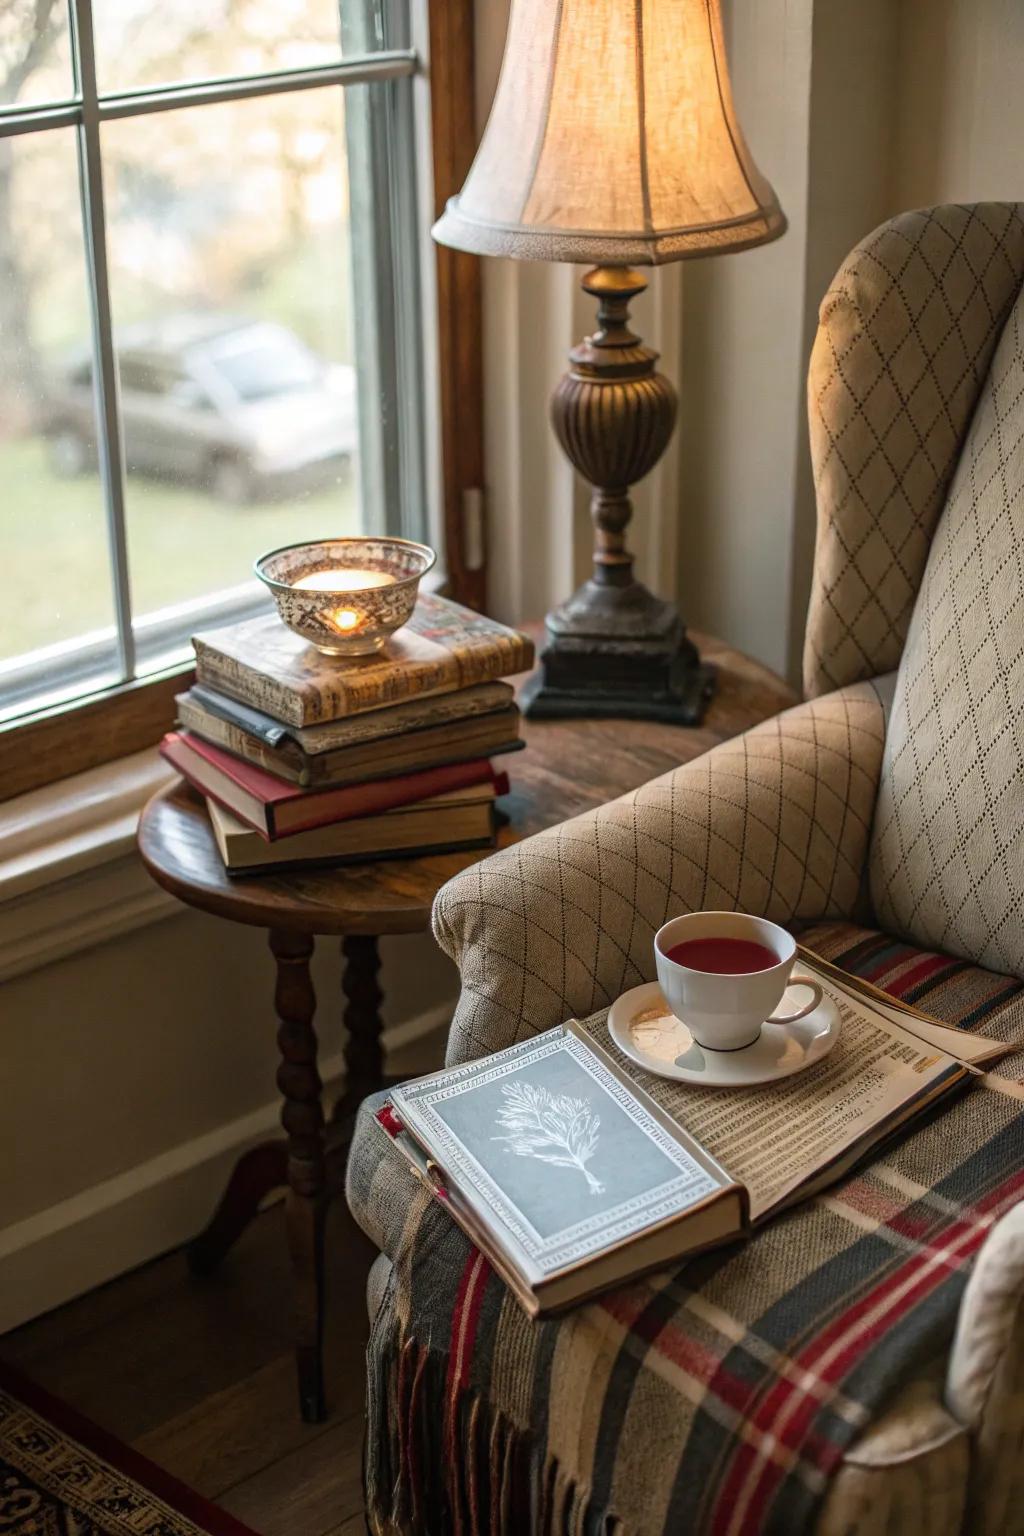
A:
x: 947, y: 855
x: 906, y: 336
x: 917, y: 430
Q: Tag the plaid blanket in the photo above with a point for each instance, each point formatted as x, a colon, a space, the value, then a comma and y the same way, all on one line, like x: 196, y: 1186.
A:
x: 718, y: 1398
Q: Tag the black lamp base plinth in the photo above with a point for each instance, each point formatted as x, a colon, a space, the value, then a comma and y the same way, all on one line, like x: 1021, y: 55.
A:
x: 618, y: 653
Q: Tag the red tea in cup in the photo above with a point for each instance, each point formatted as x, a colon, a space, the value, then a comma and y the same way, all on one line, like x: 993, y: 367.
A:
x: 723, y: 956
x: 723, y: 974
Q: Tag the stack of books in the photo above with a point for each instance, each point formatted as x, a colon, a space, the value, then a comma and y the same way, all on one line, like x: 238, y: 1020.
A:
x: 310, y: 759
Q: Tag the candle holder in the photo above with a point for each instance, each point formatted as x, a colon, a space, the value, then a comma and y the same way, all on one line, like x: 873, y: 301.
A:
x: 346, y: 596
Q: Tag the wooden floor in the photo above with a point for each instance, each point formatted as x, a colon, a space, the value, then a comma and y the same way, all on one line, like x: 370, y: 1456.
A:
x: 197, y: 1374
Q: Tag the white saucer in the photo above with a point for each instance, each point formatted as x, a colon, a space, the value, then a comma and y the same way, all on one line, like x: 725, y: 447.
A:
x: 641, y: 1025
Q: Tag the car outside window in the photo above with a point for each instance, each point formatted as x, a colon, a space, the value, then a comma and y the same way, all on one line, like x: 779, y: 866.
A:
x: 144, y: 378
x: 274, y: 363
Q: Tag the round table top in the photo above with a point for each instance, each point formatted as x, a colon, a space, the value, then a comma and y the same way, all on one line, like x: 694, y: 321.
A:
x: 569, y: 766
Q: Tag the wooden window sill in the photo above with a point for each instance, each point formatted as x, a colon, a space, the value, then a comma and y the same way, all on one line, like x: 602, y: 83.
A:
x: 69, y: 874
x: 69, y: 740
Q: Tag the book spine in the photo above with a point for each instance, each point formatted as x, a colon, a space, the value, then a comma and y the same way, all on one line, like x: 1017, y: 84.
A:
x: 465, y: 666
x: 329, y: 773
x: 233, y: 739
x: 354, y: 801
x: 400, y: 685
x: 250, y: 814
x: 268, y: 730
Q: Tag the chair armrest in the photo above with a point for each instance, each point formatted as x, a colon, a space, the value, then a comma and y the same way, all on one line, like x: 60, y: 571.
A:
x: 774, y: 822
x: 985, y: 1379
x: 382, y: 1192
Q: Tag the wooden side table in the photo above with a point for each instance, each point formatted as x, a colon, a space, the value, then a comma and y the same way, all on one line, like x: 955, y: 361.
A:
x: 569, y: 766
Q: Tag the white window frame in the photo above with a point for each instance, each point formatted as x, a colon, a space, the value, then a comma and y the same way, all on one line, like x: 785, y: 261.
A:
x: 394, y: 348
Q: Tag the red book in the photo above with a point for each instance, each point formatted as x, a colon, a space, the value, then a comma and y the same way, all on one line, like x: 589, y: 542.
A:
x: 275, y: 808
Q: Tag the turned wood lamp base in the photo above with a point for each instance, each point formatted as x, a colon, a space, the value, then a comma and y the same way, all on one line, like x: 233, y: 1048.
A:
x: 614, y: 649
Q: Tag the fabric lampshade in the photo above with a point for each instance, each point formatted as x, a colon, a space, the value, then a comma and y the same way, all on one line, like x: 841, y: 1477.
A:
x: 612, y: 139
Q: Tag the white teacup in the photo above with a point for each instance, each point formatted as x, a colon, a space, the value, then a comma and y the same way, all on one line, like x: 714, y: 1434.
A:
x: 724, y: 1010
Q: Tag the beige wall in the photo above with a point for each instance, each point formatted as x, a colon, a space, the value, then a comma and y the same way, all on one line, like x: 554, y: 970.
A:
x: 133, y: 1074
x: 740, y: 437
x: 158, y: 1039
x: 815, y: 84
x: 960, y: 104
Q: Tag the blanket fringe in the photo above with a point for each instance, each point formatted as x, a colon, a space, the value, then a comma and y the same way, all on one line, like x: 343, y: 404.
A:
x: 501, y: 1481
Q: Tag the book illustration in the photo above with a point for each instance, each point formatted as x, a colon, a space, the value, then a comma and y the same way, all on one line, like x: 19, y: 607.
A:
x: 639, y: 1171
x: 555, y: 1128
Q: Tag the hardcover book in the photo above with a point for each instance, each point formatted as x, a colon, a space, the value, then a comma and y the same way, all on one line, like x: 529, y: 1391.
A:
x: 573, y: 1169
x: 464, y: 819
x: 380, y: 744
x: 274, y: 808
x: 444, y: 647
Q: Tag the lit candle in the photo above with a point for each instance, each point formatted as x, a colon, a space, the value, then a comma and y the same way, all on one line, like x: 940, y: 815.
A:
x: 343, y: 579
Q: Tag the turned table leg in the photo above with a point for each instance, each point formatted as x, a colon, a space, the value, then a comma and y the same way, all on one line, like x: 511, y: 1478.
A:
x: 303, y: 1119
x: 364, y: 1057
x: 257, y: 1172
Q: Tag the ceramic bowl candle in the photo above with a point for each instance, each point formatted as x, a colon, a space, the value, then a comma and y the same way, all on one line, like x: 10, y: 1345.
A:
x: 346, y: 596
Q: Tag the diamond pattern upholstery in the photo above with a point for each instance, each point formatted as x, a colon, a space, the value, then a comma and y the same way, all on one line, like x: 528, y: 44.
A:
x: 946, y: 865
x: 775, y: 822
x: 906, y: 334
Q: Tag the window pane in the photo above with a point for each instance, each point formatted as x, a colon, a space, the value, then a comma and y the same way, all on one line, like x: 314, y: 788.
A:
x: 227, y: 230
x: 35, y: 57
x: 57, y: 586
x: 163, y: 42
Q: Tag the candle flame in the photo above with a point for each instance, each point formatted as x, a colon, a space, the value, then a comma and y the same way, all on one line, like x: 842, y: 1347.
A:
x: 346, y: 618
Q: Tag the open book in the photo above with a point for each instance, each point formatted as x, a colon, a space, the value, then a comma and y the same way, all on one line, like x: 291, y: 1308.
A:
x: 573, y: 1169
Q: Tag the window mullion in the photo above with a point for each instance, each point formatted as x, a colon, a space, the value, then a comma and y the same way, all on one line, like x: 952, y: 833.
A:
x: 39, y: 119
x: 111, y: 455
x: 385, y: 277
x: 392, y: 64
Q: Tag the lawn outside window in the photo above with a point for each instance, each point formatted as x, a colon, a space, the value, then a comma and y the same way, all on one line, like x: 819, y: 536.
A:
x: 213, y: 304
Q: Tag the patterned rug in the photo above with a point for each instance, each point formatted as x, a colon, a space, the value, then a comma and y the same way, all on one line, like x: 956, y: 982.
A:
x: 61, y: 1475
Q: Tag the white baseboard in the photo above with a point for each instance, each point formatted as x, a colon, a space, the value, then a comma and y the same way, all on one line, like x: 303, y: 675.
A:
x: 101, y: 1232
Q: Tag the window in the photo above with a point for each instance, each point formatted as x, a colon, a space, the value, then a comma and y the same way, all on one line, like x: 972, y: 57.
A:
x: 211, y: 315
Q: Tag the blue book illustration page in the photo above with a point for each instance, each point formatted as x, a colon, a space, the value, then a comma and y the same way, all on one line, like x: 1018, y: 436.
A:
x: 549, y: 1145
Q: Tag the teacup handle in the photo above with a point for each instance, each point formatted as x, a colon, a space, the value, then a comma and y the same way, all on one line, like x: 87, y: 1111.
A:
x: 791, y: 1018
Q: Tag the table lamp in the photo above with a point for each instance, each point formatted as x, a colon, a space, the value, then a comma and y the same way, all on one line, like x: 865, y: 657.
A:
x: 613, y: 141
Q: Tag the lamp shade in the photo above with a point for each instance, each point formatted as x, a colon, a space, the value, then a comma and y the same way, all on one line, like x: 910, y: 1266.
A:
x: 612, y: 139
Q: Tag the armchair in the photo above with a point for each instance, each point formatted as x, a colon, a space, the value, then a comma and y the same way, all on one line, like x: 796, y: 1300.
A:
x: 856, y: 1367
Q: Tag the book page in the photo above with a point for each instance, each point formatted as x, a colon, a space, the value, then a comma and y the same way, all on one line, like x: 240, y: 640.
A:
x: 400, y: 719
x: 976, y: 1050
x: 961, y: 1043
x: 553, y: 1153
x: 778, y: 1136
